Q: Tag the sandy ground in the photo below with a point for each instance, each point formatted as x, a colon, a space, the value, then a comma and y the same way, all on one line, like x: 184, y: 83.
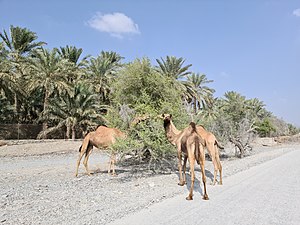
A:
x: 37, y: 184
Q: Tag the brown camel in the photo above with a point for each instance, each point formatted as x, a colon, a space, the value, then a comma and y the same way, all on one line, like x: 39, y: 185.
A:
x: 190, y: 143
x: 103, y: 137
x: 211, y: 143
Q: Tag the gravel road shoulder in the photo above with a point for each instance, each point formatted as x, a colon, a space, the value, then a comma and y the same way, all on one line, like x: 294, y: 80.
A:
x: 38, y: 184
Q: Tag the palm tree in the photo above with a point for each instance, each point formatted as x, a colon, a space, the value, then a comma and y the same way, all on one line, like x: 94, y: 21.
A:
x: 7, y: 83
x: 101, y: 71
x: 48, y: 72
x: 20, y: 43
x: 201, y: 94
x: 82, y: 110
x: 235, y: 106
x: 73, y: 54
x: 210, y: 112
x: 257, y: 109
x: 173, y: 68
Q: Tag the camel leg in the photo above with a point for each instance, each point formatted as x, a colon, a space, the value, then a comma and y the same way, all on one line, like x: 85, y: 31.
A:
x: 86, y: 158
x: 192, y: 172
x: 81, y: 153
x: 215, y: 170
x: 212, y: 150
x: 111, y: 166
x: 184, y: 168
x: 181, y: 183
x: 202, y: 162
x: 219, y: 164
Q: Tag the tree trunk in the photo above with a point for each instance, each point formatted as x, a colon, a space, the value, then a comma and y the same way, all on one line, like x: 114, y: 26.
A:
x: 17, y: 108
x: 46, y: 99
x: 195, y: 105
x: 239, y: 145
x: 73, y: 133
x: 68, y: 131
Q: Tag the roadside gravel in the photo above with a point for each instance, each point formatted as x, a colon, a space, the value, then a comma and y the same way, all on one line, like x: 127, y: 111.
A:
x: 37, y: 184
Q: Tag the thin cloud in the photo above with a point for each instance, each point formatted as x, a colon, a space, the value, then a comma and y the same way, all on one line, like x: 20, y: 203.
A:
x: 223, y: 74
x: 116, y: 24
x: 296, y: 12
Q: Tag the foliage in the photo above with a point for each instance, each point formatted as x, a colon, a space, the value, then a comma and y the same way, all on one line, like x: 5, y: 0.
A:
x: 146, y: 143
x: 173, y: 69
x: 48, y: 73
x: 17, y: 47
x: 293, y: 130
x: 75, y: 93
x: 79, y: 111
x: 101, y: 71
x: 143, y: 89
x: 201, y: 96
x: 265, y: 127
x: 20, y: 42
x: 6, y: 110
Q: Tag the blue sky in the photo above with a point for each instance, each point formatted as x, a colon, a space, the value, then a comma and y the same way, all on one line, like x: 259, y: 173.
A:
x: 251, y: 47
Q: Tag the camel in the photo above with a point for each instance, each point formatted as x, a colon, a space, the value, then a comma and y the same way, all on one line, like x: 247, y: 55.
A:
x: 103, y: 137
x: 189, y: 142
x: 211, y: 144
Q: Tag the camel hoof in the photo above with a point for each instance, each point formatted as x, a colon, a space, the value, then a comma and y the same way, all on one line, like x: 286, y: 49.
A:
x: 181, y: 183
x: 189, y: 198
x: 205, y: 197
x: 221, y: 183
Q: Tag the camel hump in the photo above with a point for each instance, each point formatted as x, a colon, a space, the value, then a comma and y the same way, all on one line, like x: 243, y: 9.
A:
x: 193, y: 125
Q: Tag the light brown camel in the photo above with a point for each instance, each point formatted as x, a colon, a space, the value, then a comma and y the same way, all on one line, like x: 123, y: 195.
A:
x: 211, y: 143
x: 188, y: 142
x: 103, y: 137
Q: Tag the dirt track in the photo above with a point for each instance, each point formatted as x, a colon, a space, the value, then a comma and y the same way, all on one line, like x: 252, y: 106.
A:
x: 37, y: 184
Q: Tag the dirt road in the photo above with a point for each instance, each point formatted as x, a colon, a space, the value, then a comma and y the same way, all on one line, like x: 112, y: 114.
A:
x: 265, y: 194
x: 37, y: 186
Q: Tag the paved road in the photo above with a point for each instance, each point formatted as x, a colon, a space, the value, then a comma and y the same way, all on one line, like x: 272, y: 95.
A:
x: 264, y: 194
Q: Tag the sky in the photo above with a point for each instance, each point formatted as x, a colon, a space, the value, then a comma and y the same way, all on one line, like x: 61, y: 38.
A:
x: 250, y: 47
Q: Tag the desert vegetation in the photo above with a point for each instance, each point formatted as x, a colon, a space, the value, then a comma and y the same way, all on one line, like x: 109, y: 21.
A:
x: 64, y: 90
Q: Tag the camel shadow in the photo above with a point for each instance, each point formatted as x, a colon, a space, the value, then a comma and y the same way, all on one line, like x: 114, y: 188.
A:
x: 198, y: 182
x: 208, y: 174
x: 104, y: 171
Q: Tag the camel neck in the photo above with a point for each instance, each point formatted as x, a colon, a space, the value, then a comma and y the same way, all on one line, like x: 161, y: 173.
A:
x: 171, y: 131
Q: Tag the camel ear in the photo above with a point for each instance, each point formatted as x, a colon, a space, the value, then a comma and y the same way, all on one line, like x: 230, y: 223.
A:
x: 163, y: 115
x: 170, y: 115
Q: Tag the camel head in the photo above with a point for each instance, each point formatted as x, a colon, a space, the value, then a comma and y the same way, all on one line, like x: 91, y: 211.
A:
x: 167, y: 119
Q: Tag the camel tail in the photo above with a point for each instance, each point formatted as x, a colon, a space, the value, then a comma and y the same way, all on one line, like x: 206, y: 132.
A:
x: 197, y: 142
x: 85, y: 144
x: 218, y: 144
x: 197, y: 149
